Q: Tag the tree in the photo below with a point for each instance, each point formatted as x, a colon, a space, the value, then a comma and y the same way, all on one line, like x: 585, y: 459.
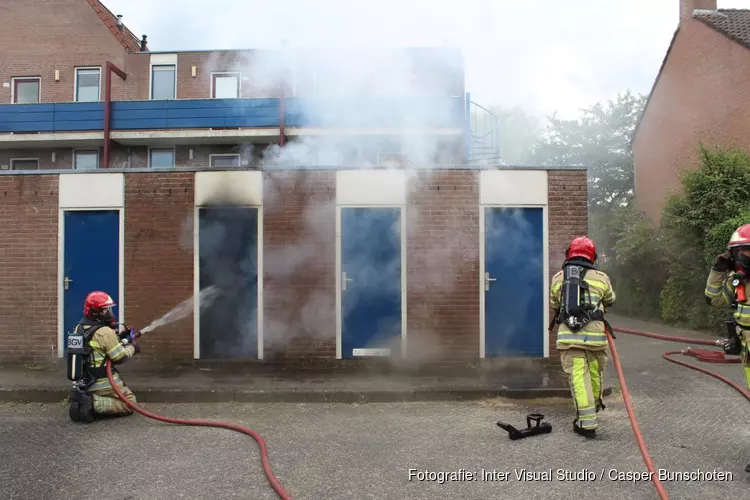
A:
x: 600, y: 140
x: 519, y: 133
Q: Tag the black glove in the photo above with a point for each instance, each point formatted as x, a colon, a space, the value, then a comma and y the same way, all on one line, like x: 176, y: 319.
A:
x: 724, y: 262
x: 732, y: 345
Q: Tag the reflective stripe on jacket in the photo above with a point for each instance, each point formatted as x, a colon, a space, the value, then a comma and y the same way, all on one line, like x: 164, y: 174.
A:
x: 600, y: 294
x: 720, y: 292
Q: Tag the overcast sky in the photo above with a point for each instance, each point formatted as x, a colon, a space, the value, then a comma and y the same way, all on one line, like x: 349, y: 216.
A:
x: 542, y: 55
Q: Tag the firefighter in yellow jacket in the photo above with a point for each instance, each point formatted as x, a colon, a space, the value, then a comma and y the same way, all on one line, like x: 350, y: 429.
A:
x: 97, y: 397
x: 727, y: 286
x: 579, y: 295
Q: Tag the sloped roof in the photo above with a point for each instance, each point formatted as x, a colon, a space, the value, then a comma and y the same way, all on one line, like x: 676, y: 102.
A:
x: 126, y: 37
x: 732, y: 23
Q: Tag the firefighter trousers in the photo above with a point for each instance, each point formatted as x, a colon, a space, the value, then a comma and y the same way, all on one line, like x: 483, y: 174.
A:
x: 585, y: 370
x: 745, y: 355
x: 106, y: 401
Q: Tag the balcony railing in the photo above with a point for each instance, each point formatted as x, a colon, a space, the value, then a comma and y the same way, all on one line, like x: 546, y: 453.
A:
x: 445, y: 112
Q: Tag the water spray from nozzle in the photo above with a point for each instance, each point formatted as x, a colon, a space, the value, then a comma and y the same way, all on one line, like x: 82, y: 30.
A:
x: 205, y: 299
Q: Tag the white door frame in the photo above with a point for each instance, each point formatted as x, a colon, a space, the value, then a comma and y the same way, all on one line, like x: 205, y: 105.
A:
x: 545, y: 275
x: 196, y: 276
x: 339, y: 319
x: 61, y: 267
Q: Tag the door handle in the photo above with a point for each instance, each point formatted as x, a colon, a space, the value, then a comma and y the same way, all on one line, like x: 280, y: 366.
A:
x: 487, y: 280
x: 67, y: 282
x: 344, y: 279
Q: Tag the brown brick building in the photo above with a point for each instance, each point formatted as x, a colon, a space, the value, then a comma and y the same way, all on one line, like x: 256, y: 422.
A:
x: 700, y: 95
x: 337, y: 215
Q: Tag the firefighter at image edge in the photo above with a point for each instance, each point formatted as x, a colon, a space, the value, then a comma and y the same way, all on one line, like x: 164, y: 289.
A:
x: 578, y: 295
x: 95, y: 395
x: 727, y: 286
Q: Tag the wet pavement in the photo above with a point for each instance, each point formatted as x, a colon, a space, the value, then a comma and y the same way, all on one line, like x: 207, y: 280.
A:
x: 691, y: 423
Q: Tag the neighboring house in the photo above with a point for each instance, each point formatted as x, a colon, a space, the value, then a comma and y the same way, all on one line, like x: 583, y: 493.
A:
x: 701, y: 95
x: 262, y: 171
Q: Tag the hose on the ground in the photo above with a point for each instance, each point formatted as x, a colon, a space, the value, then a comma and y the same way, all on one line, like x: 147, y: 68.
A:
x: 206, y: 423
x: 700, y: 354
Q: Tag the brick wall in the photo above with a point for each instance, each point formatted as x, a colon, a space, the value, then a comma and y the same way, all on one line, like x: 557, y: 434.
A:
x: 567, y: 219
x: 37, y: 38
x: 159, y: 257
x: 443, y: 264
x: 28, y: 267
x: 299, y: 260
x: 712, y: 109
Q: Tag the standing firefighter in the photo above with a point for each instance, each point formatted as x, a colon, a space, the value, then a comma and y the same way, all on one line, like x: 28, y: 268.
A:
x: 579, y: 295
x: 93, y: 341
x: 727, y: 285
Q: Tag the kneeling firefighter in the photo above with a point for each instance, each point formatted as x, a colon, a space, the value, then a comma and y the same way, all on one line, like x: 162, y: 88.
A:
x: 579, y: 294
x: 93, y: 341
x: 727, y: 285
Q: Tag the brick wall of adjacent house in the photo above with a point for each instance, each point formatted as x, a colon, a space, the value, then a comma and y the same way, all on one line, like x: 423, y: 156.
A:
x: 568, y: 219
x: 28, y: 47
x: 28, y: 267
x: 711, y: 109
x: 299, y: 292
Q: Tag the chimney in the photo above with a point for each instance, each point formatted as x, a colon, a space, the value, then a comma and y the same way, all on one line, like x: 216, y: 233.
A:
x: 119, y: 20
x: 687, y: 7
x: 143, y: 44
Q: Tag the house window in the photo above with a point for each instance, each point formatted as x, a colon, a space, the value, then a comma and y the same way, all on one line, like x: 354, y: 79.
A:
x: 26, y: 90
x: 229, y: 160
x: 88, y: 84
x: 24, y: 163
x: 163, y: 81
x: 225, y: 85
x: 86, y: 159
x: 161, y: 158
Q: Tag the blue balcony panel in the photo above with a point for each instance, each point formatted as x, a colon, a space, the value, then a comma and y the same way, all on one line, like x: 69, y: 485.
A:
x: 436, y: 112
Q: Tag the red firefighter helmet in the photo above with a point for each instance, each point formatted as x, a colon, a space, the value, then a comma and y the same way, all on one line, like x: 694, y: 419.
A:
x: 739, y: 245
x: 98, y: 305
x: 582, y: 247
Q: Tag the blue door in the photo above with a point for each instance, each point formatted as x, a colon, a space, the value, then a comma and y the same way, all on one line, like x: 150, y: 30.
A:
x: 91, y: 261
x: 370, y: 280
x: 228, y: 260
x: 514, y: 282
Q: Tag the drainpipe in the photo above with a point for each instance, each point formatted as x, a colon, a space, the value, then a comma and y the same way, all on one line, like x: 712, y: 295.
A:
x: 281, y: 117
x: 108, y: 104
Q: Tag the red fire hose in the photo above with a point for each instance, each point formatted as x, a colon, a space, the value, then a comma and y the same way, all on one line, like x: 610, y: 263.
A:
x: 700, y: 354
x: 207, y: 423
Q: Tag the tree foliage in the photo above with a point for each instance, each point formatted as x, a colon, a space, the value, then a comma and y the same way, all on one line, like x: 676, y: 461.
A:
x: 599, y: 140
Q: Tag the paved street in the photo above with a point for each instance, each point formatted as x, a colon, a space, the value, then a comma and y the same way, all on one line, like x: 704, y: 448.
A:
x: 329, y: 451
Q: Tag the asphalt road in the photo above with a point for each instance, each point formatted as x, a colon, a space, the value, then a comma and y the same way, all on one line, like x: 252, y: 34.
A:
x: 353, y: 451
x: 691, y: 423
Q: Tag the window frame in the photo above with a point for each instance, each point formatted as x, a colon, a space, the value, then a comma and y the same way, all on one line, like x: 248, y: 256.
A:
x: 173, y: 149
x: 14, y: 80
x: 152, y: 70
x: 13, y: 160
x: 214, y: 74
x: 75, y: 82
x: 224, y: 155
x: 83, y: 150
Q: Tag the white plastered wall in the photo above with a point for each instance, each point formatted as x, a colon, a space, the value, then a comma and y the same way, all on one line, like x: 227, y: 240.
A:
x: 237, y: 188
x: 370, y: 188
x: 95, y: 191
x: 513, y: 188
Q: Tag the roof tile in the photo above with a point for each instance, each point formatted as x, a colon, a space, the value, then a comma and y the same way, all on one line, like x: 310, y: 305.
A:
x: 734, y: 23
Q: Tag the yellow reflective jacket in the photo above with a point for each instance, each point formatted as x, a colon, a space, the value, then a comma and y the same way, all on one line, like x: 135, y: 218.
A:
x: 720, y: 292
x: 601, y: 295
x: 105, y: 344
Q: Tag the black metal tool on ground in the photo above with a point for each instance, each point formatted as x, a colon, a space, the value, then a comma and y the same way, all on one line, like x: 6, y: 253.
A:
x: 539, y: 428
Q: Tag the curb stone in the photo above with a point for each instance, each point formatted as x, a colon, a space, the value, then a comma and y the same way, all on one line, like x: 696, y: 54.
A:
x: 304, y: 396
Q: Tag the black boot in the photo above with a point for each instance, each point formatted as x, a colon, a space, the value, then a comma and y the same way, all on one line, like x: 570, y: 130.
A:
x: 587, y: 433
x: 81, y: 407
x: 747, y: 467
